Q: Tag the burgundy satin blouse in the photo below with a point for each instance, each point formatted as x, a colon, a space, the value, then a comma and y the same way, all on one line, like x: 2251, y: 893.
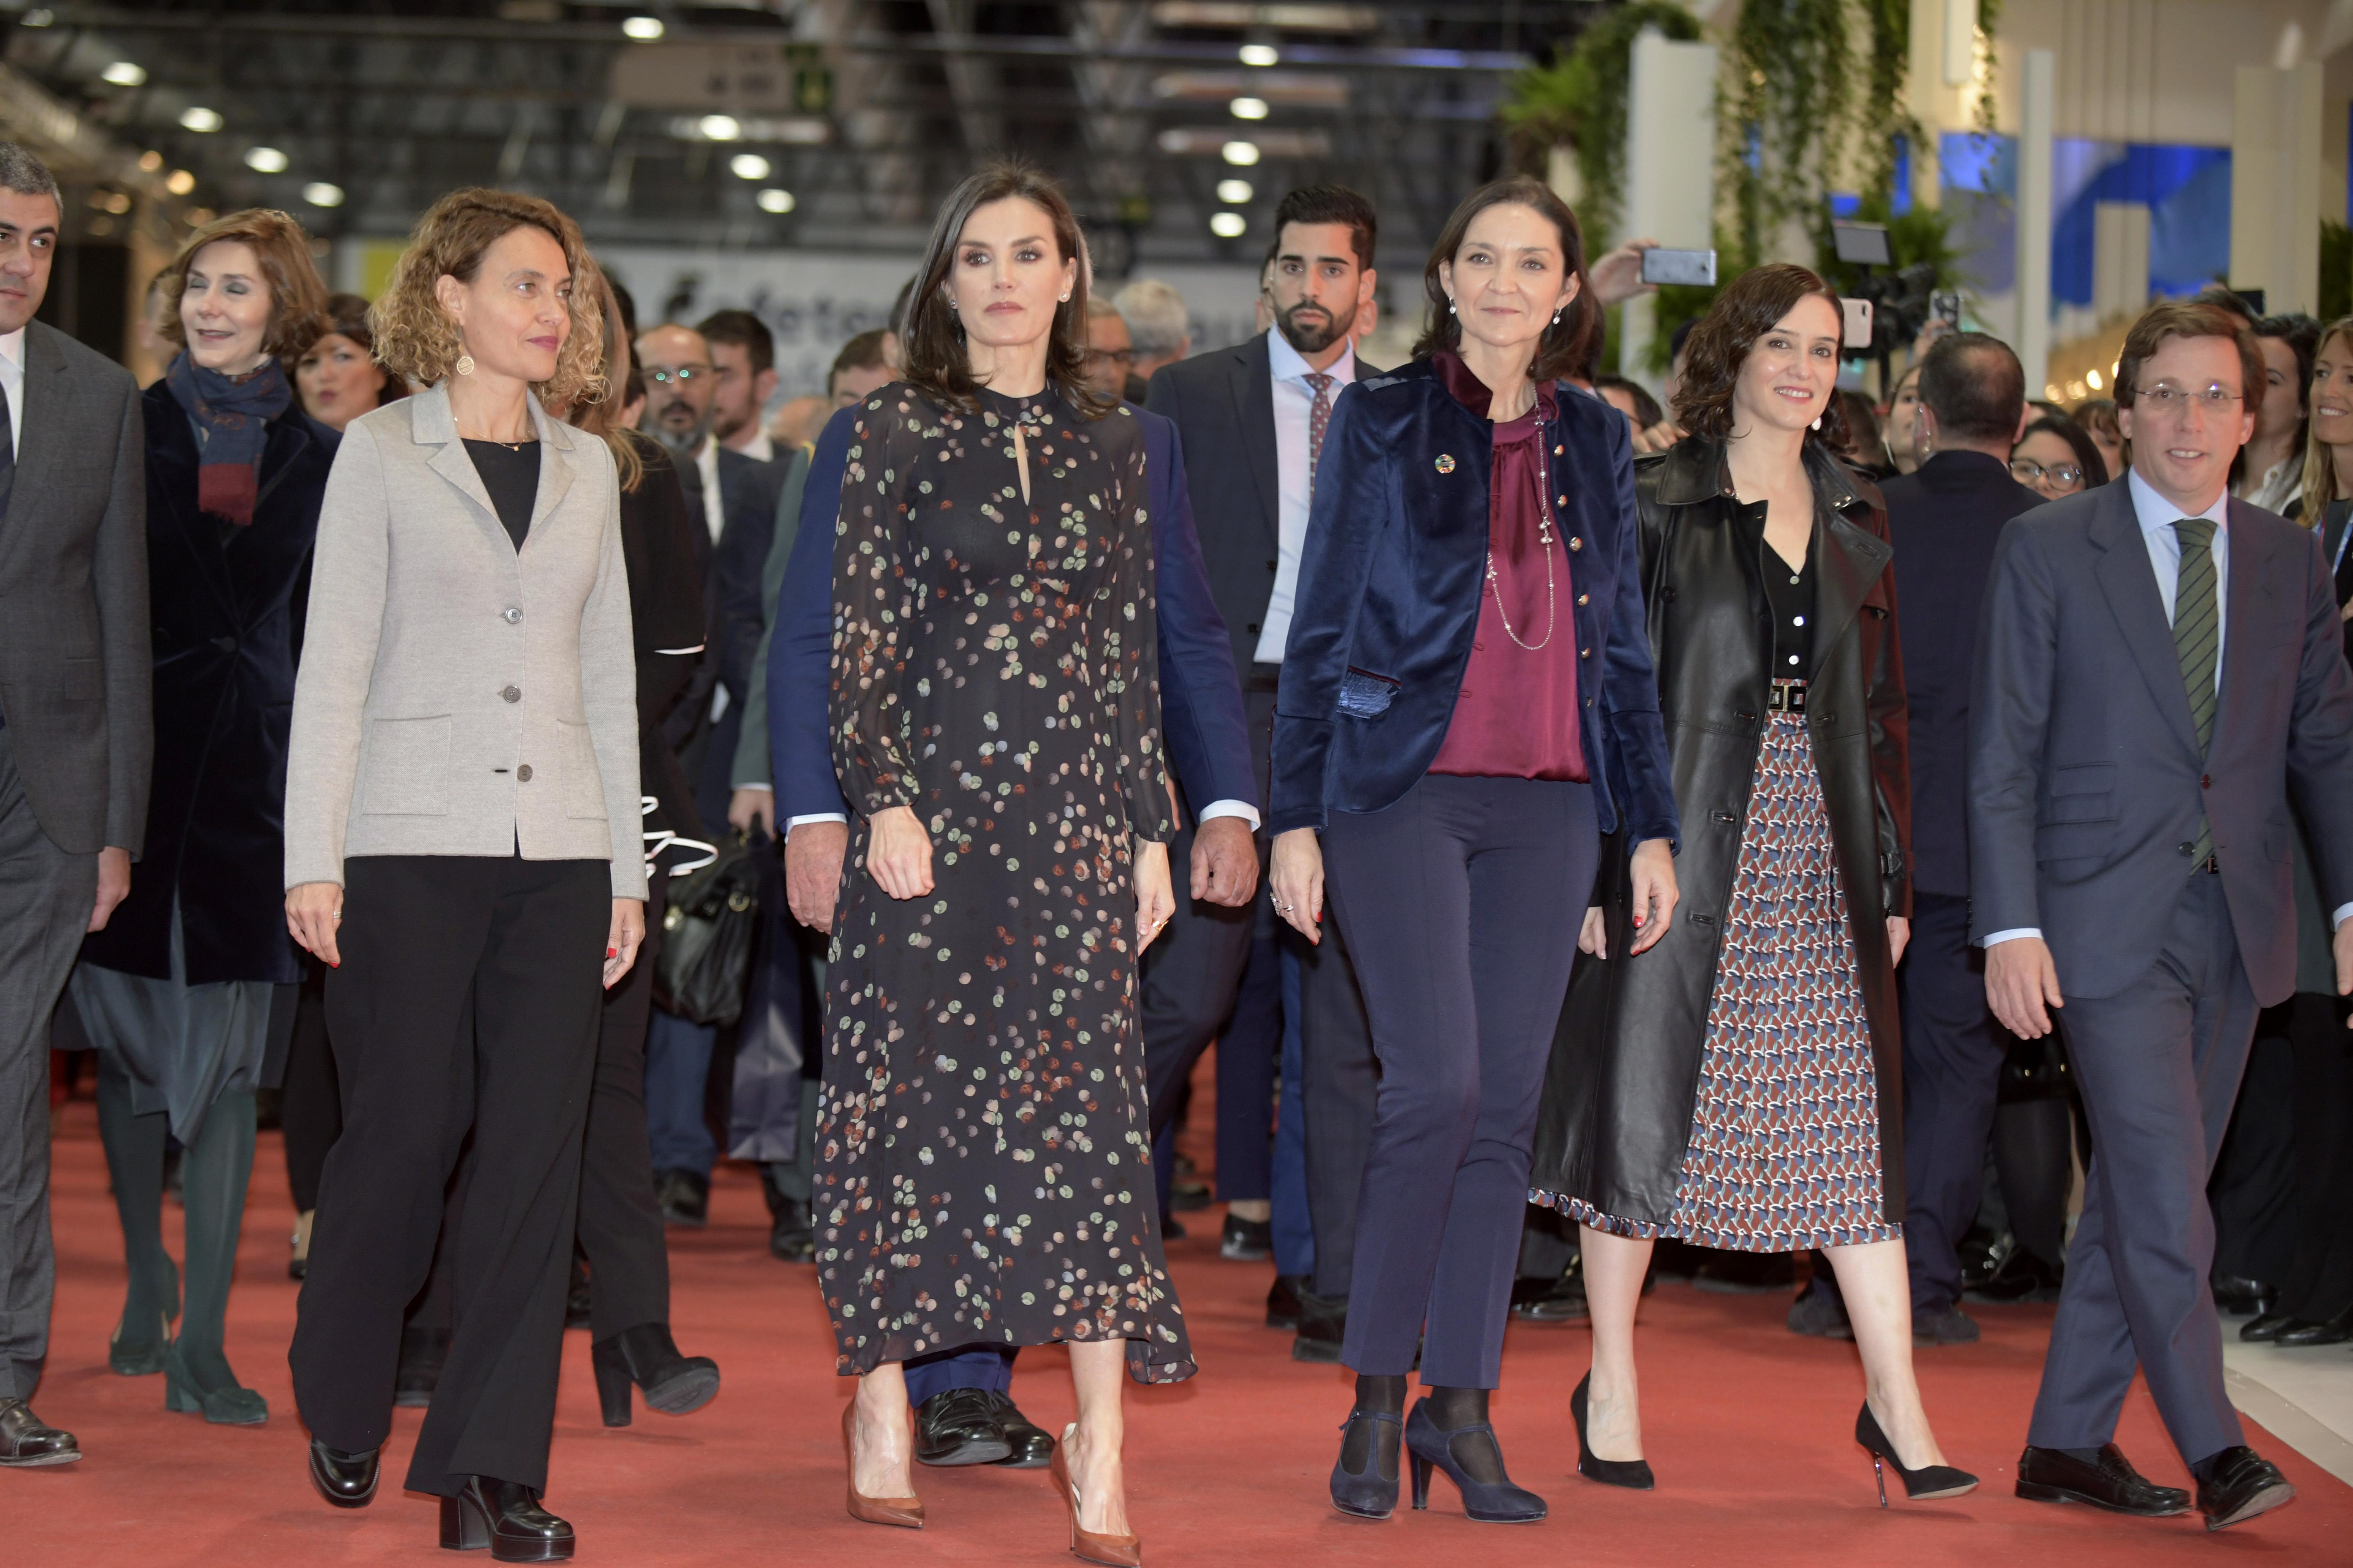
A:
x: 1516, y: 715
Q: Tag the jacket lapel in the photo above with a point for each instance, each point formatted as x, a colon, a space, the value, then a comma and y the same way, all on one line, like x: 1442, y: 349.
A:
x: 2130, y: 586
x: 48, y: 420
x: 431, y: 424
x: 2254, y: 604
x: 554, y: 466
x: 1850, y: 560
x: 172, y: 462
x: 1252, y: 379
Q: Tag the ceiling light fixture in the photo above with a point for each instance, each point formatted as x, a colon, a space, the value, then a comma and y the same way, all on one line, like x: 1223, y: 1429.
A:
x: 1227, y: 226
x: 1260, y: 55
x: 39, y: 17
x: 720, y: 128
x: 125, y: 73
x: 1234, y: 193
x: 151, y: 160
x: 749, y: 166
x: 1247, y: 108
x: 180, y: 182
x: 1240, y: 154
x: 644, y: 30
x: 200, y: 119
x: 775, y: 200
x: 266, y: 160
x: 320, y: 194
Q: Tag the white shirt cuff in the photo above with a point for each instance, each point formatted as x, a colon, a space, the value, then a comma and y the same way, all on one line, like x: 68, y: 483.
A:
x: 2034, y: 931
x: 1248, y: 814
x: 792, y: 822
x: 2343, y: 912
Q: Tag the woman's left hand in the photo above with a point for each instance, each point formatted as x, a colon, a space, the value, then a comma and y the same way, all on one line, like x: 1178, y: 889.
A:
x: 629, y: 932
x: 1154, y: 900
x: 1899, y: 932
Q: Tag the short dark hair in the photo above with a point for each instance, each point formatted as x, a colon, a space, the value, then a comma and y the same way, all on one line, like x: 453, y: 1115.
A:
x: 1330, y: 204
x: 742, y: 329
x: 1647, y: 411
x: 1750, y: 306
x: 2079, y: 441
x: 1975, y: 386
x: 625, y: 304
x: 864, y: 352
x: 2224, y: 298
x: 2180, y: 318
x: 1569, y: 344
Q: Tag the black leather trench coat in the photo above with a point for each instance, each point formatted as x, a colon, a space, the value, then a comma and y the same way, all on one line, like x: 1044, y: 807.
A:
x: 1617, y: 1107
x: 227, y: 606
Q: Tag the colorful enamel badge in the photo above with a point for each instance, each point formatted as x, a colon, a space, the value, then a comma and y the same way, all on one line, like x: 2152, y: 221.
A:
x: 1446, y: 462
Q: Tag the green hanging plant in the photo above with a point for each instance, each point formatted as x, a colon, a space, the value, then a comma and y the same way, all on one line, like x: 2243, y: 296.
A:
x: 1580, y: 102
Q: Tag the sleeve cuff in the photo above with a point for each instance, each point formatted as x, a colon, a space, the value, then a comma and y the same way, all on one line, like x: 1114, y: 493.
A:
x: 792, y: 822
x: 753, y: 784
x: 2343, y: 912
x: 1248, y: 814
x: 2036, y: 932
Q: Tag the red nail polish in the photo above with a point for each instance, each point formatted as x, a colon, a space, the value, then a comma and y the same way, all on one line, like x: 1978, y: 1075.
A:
x: 612, y: 952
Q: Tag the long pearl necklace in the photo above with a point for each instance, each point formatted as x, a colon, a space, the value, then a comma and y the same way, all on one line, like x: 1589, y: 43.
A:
x: 1544, y: 543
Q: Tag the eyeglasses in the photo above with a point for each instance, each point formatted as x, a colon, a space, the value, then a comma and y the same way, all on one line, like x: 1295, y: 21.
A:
x: 2167, y: 398
x: 684, y: 375
x: 2026, y: 471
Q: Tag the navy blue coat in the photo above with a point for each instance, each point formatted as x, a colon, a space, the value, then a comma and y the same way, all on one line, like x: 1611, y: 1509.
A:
x: 226, y: 607
x: 1389, y: 586
x: 1206, y: 730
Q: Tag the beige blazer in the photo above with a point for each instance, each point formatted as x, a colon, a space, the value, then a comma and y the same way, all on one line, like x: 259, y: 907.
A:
x: 457, y: 696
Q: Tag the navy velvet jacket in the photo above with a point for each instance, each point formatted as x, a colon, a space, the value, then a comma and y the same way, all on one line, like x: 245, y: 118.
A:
x: 1389, y: 603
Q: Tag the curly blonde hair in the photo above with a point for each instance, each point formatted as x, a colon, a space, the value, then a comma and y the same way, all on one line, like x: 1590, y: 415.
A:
x: 298, y: 299
x: 415, y: 338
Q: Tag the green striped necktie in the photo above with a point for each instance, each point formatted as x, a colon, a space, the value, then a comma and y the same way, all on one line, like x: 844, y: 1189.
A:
x: 2197, y: 640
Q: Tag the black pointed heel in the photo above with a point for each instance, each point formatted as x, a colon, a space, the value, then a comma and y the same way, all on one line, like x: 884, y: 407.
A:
x: 1500, y: 1502
x: 1927, y: 1482
x: 1632, y: 1474
x: 1370, y: 1493
x: 505, y: 1517
x: 647, y: 1357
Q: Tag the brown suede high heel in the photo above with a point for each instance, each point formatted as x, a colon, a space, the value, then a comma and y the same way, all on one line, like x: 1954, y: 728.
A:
x: 1110, y: 1551
x: 904, y: 1512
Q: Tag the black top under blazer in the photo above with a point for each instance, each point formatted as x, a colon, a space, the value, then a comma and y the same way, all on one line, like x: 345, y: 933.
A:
x: 1389, y: 588
x: 227, y: 606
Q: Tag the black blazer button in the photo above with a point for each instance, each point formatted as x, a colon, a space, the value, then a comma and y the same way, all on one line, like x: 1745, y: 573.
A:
x: 1253, y: 627
x: 524, y: 773
x: 1272, y: 566
x: 2187, y: 848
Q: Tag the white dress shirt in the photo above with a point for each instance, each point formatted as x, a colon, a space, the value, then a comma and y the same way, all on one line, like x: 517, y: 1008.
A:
x: 759, y: 448
x: 2157, y: 517
x: 1294, y: 404
x: 12, y: 379
x: 706, y: 473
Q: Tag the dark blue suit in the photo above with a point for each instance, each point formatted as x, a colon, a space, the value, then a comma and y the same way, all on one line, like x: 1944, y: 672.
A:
x: 1944, y: 521
x: 2086, y: 789
x: 1460, y: 896
x: 1201, y: 717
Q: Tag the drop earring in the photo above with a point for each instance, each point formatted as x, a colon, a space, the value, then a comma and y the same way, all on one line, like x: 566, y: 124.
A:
x: 1817, y: 421
x: 465, y: 364
x: 1450, y: 307
x: 1555, y: 318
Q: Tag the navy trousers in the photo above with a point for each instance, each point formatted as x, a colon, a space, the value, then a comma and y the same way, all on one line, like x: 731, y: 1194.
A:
x: 2159, y: 1066
x: 1462, y: 903
x: 1953, y: 1053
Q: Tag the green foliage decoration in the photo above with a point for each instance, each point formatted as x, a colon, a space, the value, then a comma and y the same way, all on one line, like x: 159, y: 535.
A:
x: 1580, y: 102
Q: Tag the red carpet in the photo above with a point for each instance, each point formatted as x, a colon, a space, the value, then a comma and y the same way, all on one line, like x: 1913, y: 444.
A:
x: 1748, y: 1426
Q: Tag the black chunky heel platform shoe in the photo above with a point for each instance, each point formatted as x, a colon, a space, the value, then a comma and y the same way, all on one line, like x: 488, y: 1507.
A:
x: 505, y: 1517
x: 648, y: 1358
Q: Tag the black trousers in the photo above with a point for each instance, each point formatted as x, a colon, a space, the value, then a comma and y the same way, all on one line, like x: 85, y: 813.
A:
x: 2318, y: 1284
x: 1464, y: 898
x: 2254, y: 1187
x: 1953, y: 1054
x: 310, y: 1107
x: 621, y: 1224
x: 468, y: 1000
x: 1192, y: 973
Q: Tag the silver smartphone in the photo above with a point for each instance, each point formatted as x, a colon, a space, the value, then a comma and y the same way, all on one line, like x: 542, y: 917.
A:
x: 1690, y: 267
x: 1858, y: 322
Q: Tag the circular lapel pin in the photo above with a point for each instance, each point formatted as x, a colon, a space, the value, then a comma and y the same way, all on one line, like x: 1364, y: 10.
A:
x: 1446, y: 462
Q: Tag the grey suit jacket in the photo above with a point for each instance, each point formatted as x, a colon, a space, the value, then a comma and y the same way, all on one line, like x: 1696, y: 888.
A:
x: 2085, y: 782
x: 75, y: 664
x: 457, y: 696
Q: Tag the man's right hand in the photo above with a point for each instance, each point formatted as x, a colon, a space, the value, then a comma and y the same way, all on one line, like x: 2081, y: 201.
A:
x: 813, y: 856
x: 2021, y: 982
x: 1658, y: 438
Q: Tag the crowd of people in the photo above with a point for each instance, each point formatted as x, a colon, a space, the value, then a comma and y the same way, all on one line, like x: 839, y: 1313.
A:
x: 1600, y: 839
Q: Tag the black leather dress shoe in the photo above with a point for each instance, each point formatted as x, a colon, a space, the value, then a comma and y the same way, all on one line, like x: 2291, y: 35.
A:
x: 2262, y: 1331
x: 792, y: 1230
x: 1947, y: 1325
x: 2047, y: 1475
x: 347, y: 1480
x: 1981, y: 1253
x: 684, y: 1197
x: 1282, y: 1301
x: 2301, y: 1334
x: 25, y: 1442
x: 2244, y: 1298
x: 959, y: 1427
x: 2022, y: 1276
x: 1560, y: 1300
x: 1031, y: 1445
x: 1245, y: 1240
x: 504, y: 1516
x: 1188, y: 1197
x: 1819, y: 1311
x: 2243, y: 1485
x: 1323, y: 1325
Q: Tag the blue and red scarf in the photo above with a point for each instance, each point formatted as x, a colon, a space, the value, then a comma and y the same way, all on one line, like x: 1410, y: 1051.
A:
x: 231, y: 418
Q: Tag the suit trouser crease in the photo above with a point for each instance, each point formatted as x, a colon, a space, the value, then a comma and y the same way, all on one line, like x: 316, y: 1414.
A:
x: 468, y: 999
x: 1463, y: 902
x: 1952, y: 1056
x: 2159, y: 1064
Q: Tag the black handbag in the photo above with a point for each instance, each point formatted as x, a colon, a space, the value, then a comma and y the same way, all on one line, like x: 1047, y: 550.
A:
x: 704, y: 965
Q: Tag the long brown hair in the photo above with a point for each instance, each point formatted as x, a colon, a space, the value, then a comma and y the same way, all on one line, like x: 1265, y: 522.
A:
x: 935, y: 353
x: 298, y: 299
x: 1750, y: 306
x: 2319, y: 463
x: 602, y: 417
x: 1568, y: 346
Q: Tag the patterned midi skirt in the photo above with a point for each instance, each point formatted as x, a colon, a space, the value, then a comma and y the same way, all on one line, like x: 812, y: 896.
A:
x: 1784, y: 1148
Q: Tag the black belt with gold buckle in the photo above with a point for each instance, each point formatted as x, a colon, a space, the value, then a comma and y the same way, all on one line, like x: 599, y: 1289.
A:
x: 1786, y: 697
